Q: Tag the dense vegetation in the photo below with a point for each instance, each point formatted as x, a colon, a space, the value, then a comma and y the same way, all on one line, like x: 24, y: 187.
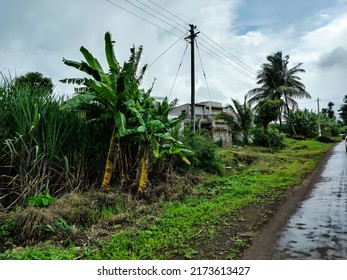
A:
x: 223, y: 210
x: 107, y: 173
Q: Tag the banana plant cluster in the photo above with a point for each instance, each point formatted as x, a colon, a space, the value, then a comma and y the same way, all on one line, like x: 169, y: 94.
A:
x: 140, y: 125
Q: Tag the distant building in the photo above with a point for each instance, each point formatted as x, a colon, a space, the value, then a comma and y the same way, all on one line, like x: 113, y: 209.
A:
x: 205, y: 117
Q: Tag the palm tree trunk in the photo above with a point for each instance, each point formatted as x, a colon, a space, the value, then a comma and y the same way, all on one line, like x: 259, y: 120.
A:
x: 280, y: 119
x: 290, y: 116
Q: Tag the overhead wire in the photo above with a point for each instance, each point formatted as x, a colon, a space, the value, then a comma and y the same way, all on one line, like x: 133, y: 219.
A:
x: 208, y: 45
x: 130, y: 12
x: 222, y: 60
x: 160, y: 56
x: 178, y: 70
x: 153, y: 15
x: 228, y: 54
x: 161, y: 14
x: 203, y: 71
x: 243, y: 66
x: 167, y: 11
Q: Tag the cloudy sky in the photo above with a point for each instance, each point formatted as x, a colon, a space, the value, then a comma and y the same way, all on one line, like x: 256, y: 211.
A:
x: 235, y: 38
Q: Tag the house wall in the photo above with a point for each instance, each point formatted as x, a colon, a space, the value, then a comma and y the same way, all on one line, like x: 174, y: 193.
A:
x: 206, y: 119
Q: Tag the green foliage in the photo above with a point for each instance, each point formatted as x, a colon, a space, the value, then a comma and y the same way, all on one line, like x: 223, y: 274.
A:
x: 329, y: 112
x: 306, y: 123
x: 267, y: 111
x: 239, y: 119
x: 176, y: 229
x: 329, y: 126
x: 7, y: 226
x: 204, y: 150
x: 279, y: 82
x: 272, y: 139
x: 42, y: 146
x: 343, y: 110
x: 36, y: 81
x: 41, y: 200
x: 44, y: 252
x: 140, y: 124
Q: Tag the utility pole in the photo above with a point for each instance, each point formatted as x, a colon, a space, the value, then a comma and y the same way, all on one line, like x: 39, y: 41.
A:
x: 191, y: 37
x: 319, y: 130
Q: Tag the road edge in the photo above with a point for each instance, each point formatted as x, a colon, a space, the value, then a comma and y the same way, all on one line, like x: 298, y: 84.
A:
x: 262, y: 244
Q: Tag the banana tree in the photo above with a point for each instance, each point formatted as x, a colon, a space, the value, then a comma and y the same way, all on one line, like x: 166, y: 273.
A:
x: 108, y: 93
x: 155, y: 137
x: 137, y: 121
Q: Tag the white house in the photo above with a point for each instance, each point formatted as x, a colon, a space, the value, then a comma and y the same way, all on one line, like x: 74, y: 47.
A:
x: 205, y: 117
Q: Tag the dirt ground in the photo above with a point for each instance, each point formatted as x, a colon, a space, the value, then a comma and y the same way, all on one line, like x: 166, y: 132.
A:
x: 262, y: 243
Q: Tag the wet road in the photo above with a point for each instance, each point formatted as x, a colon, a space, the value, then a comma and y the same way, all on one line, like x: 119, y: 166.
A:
x: 318, y: 229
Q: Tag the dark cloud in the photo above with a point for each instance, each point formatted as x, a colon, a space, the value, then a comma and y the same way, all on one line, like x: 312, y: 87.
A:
x: 336, y: 57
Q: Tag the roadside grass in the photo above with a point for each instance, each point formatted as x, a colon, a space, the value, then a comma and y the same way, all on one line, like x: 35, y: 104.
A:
x: 181, y: 229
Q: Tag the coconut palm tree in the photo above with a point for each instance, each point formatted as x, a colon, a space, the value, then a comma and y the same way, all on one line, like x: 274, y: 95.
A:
x: 239, y: 118
x: 277, y: 82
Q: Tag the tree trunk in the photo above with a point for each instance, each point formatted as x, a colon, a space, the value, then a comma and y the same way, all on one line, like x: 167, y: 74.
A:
x: 290, y: 116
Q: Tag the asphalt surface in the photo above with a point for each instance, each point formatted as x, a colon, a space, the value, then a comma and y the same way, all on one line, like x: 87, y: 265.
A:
x: 318, y: 229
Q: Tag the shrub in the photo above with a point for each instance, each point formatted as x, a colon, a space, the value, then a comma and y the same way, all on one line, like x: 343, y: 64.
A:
x: 273, y: 139
x: 205, y: 155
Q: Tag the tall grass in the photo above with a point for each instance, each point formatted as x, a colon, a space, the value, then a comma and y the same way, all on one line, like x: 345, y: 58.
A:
x: 43, y: 148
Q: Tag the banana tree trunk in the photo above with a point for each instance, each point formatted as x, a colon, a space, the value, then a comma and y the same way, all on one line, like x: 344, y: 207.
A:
x: 143, y: 174
x: 110, y: 161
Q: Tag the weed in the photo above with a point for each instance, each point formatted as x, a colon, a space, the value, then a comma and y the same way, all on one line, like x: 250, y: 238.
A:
x: 41, y: 200
x: 43, y: 252
x: 63, y: 225
x: 7, y: 227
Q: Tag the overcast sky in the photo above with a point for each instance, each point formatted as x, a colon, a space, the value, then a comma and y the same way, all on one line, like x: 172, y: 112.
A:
x: 36, y: 34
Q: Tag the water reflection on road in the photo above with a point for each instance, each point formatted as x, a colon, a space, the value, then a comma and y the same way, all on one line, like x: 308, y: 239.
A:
x: 318, y: 230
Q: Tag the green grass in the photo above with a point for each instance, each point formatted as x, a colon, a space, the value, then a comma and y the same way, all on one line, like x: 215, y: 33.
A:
x: 167, y: 230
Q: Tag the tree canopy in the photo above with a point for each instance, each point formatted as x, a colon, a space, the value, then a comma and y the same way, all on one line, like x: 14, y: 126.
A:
x: 35, y: 80
x: 277, y: 81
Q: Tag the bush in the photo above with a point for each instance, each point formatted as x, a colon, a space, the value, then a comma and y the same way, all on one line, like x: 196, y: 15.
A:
x: 273, y: 139
x: 205, y: 151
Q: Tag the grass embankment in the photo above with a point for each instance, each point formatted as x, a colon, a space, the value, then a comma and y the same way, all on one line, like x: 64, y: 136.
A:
x: 215, y: 221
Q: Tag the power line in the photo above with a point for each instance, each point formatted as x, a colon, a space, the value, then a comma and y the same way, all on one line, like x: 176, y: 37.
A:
x: 334, y: 98
x: 210, y: 46
x: 178, y: 70
x: 329, y: 99
x: 112, y: 3
x: 203, y: 71
x: 229, y: 54
x: 166, y: 51
x: 169, y: 12
x: 235, y: 60
x: 222, y: 60
x: 159, y: 13
x: 153, y: 15
x: 224, y: 51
